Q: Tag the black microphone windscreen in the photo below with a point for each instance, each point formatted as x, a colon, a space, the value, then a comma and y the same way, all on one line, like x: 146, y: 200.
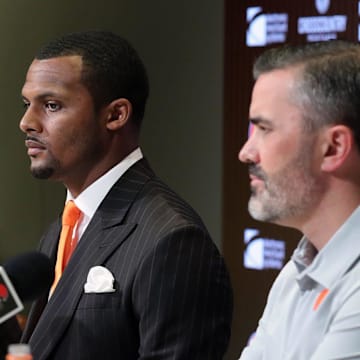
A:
x: 31, y: 274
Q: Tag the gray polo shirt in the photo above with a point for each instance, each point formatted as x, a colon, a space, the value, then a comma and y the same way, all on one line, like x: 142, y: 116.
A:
x: 313, y: 308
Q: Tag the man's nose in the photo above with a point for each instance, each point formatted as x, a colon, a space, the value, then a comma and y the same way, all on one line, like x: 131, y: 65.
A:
x: 248, y: 153
x: 29, y: 122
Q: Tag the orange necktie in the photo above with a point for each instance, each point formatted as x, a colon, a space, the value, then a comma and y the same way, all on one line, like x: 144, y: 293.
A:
x: 67, y: 242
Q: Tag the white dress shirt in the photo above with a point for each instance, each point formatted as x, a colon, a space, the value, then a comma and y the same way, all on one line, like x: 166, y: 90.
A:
x: 90, y: 199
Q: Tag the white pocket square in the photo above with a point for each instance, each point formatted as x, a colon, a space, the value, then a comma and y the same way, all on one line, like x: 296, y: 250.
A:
x: 99, y: 280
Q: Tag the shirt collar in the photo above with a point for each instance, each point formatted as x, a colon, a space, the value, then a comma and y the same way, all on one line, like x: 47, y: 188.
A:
x: 333, y: 260
x: 89, y: 200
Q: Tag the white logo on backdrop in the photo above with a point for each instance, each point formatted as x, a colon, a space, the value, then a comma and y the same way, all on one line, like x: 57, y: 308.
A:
x: 264, y: 29
x: 322, y: 6
x: 263, y: 253
x: 256, y: 32
x: 322, y: 27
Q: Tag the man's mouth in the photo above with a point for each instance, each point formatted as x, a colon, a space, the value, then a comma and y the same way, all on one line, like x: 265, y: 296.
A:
x: 34, y: 146
x: 255, y: 180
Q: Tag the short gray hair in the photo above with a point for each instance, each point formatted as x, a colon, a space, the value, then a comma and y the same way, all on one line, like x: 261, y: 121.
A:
x: 328, y: 79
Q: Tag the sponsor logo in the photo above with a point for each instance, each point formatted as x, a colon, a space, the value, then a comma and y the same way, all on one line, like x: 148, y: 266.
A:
x: 10, y: 304
x: 4, y: 293
x: 322, y: 28
x: 263, y: 253
x: 264, y: 29
x: 322, y: 6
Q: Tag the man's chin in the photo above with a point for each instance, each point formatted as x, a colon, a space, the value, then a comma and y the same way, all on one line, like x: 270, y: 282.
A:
x: 257, y: 211
x: 42, y: 173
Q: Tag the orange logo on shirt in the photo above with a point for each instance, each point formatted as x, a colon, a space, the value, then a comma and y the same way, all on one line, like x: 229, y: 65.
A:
x: 320, y: 298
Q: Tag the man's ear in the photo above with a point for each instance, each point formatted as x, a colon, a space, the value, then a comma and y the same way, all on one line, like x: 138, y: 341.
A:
x: 118, y: 114
x: 337, y: 145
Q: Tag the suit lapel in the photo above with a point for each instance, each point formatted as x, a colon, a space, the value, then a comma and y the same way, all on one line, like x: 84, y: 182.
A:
x: 48, y: 246
x: 106, y: 232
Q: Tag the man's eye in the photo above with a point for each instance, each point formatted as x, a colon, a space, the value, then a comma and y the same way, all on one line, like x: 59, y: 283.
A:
x: 260, y: 127
x: 51, y: 106
x: 26, y: 105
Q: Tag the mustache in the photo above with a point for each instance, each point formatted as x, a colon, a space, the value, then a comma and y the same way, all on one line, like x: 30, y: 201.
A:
x: 257, y: 171
x: 35, y: 139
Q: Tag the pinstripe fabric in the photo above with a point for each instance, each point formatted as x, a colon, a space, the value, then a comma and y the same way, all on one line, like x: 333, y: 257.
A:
x: 173, y: 298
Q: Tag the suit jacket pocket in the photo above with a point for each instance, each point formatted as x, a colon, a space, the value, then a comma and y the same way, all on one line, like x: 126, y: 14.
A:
x: 100, y: 300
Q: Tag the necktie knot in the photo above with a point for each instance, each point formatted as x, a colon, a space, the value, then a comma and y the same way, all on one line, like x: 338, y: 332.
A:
x: 71, y: 214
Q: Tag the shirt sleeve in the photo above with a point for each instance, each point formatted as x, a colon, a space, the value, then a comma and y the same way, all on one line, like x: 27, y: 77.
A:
x: 257, y: 348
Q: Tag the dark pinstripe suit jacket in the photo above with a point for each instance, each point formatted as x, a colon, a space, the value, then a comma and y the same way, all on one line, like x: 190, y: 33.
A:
x: 173, y: 298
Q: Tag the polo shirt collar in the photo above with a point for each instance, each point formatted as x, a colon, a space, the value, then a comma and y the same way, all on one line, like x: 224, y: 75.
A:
x: 331, y: 263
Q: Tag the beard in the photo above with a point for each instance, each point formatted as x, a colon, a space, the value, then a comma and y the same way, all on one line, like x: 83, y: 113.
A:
x: 46, y: 169
x: 287, y: 194
x: 42, y: 173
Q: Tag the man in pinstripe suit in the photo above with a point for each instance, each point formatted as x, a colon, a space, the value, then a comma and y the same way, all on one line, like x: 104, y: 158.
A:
x: 169, y: 294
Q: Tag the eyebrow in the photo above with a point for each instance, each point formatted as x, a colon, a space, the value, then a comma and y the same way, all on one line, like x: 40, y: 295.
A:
x: 259, y: 120
x: 42, y: 96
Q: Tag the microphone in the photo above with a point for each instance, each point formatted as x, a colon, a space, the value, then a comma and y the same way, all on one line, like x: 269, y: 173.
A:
x: 23, y: 278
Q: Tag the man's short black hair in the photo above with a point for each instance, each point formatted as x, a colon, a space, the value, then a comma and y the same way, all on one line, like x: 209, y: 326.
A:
x: 112, y: 68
